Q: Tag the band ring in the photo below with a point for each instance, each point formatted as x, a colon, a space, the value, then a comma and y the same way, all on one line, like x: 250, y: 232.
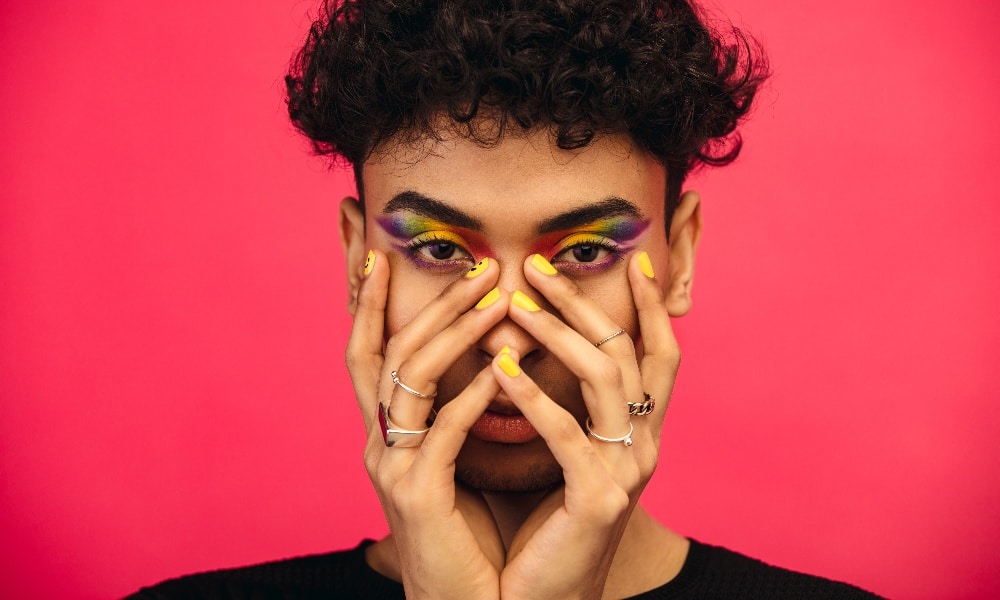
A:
x: 642, y: 409
x: 609, y: 338
x: 625, y: 439
x: 401, y: 438
x: 395, y: 380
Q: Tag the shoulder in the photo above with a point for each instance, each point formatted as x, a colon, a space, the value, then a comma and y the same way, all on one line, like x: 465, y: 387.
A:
x: 715, y: 572
x: 343, y: 574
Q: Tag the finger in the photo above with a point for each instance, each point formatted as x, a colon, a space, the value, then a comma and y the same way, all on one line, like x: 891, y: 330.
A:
x: 455, y: 301
x: 422, y: 370
x: 562, y: 433
x: 601, y: 376
x: 364, y: 346
x: 577, y: 308
x: 586, y: 316
x: 661, y: 354
x: 437, y: 454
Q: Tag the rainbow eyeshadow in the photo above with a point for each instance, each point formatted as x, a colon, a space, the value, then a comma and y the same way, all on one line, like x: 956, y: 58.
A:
x: 412, y: 231
x: 614, y: 234
x: 611, y: 238
x: 620, y: 229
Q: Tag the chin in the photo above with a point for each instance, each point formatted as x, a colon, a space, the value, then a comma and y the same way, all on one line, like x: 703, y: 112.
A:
x: 507, y: 468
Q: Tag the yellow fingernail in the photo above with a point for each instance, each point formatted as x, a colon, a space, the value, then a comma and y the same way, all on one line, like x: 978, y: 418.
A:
x: 490, y: 297
x: 521, y: 300
x: 478, y: 269
x: 504, y: 350
x: 508, y: 366
x: 538, y: 261
x: 370, y: 262
x: 645, y: 265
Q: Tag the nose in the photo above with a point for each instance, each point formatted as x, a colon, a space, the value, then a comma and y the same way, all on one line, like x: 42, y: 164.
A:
x: 507, y: 332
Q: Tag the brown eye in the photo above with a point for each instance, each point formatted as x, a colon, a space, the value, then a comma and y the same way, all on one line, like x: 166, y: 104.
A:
x: 441, y: 250
x: 586, y: 253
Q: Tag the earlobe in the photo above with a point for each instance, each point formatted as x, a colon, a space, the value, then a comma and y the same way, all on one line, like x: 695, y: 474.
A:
x: 685, y: 232
x: 352, y: 239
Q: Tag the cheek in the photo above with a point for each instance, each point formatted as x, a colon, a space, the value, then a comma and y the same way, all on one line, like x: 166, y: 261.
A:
x: 615, y: 299
x: 409, y: 293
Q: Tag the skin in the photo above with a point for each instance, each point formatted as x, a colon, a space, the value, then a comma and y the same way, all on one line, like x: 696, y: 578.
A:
x: 563, y: 498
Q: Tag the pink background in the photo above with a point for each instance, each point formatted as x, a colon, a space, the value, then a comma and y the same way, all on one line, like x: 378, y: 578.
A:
x: 172, y: 394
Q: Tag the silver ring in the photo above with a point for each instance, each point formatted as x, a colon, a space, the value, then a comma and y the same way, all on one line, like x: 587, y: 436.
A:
x: 401, y: 438
x: 625, y: 439
x: 609, y: 338
x: 642, y: 408
x: 395, y: 379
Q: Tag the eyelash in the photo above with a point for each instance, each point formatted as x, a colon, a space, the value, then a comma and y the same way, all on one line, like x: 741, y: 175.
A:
x: 615, y: 251
x: 413, y: 249
x: 414, y: 246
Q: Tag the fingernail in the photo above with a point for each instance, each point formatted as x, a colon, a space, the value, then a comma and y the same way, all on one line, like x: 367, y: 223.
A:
x: 478, y: 269
x: 504, y: 350
x: 645, y: 265
x: 538, y: 261
x: 508, y: 366
x: 370, y: 262
x: 490, y: 297
x: 521, y: 300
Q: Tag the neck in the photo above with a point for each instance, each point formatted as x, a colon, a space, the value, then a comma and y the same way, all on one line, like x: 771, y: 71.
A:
x: 510, y: 511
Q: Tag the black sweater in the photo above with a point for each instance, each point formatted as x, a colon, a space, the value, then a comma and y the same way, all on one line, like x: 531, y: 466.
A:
x: 708, y: 572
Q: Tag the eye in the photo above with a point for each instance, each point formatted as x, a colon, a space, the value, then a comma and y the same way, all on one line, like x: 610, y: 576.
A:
x: 438, y: 246
x: 586, y: 249
x: 440, y: 250
x: 586, y: 253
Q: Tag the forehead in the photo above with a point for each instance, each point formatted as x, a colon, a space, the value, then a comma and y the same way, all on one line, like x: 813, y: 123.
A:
x: 523, y: 177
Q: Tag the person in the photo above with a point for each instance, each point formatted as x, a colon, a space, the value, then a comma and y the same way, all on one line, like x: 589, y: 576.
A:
x: 520, y: 240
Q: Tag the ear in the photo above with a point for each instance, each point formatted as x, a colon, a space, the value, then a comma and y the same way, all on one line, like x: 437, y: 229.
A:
x: 352, y: 240
x: 685, y: 231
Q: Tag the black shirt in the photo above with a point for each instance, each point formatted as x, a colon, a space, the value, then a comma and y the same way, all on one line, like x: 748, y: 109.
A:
x: 709, y: 572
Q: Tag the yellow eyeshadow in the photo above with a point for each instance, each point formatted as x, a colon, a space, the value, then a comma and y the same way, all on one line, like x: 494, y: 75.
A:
x: 439, y: 236
x: 581, y: 239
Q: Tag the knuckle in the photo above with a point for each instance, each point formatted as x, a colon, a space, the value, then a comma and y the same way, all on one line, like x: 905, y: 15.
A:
x: 616, y: 501
x: 445, y: 419
x: 607, y: 369
x: 673, y: 355
x: 606, y: 504
x: 392, y: 347
x: 371, y: 463
x: 570, y: 291
x: 631, y: 477
x: 405, y: 498
x: 568, y: 430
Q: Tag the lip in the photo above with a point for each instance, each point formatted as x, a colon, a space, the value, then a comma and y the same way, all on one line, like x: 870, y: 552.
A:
x: 506, y: 428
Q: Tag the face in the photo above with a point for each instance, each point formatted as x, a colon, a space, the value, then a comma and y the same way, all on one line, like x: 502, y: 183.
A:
x: 437, y: 210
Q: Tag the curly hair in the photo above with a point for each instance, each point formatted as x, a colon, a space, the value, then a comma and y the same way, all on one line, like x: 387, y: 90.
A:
x: 372, y: 71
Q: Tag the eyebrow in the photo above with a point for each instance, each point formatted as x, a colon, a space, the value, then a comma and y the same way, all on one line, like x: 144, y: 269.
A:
x: 612, y: 206
x: 439, y: 211
x: 418, y: 203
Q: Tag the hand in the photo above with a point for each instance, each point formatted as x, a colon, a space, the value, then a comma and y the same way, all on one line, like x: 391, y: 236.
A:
x: 566, y: 547
x: 447, y: 541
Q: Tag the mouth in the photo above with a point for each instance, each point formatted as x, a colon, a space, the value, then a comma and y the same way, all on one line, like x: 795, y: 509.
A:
x: 503, y: 423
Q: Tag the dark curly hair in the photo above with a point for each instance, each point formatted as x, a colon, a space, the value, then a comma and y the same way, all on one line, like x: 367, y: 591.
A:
x: 378, y: 70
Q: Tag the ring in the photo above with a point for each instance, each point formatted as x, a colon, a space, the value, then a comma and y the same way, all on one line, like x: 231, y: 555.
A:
x: 642, y: 408
x: 610, y: 337
x: 625, y: 439
x: 402, y: 438
x: 395, y: 379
